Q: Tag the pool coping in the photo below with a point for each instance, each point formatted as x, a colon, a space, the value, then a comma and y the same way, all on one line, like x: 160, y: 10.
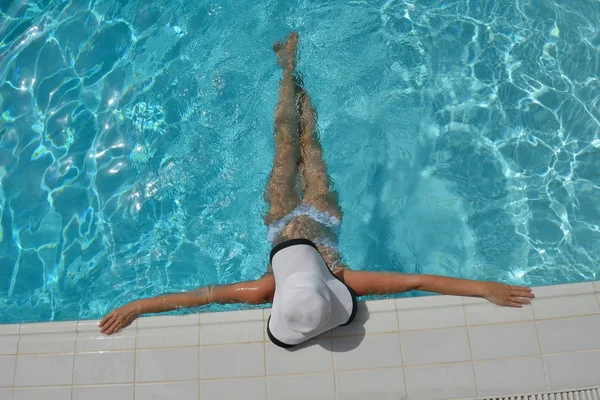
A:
x: 396, y: 321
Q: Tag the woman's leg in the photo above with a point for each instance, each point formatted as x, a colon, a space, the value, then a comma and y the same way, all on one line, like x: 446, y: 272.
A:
x: 280, y: 192
x: 313, y: 172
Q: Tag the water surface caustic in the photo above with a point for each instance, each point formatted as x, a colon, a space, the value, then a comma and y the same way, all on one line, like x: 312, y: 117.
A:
x: 136, y: 138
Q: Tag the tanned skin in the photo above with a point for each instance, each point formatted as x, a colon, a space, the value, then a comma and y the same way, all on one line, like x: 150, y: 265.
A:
x: 298, y: 158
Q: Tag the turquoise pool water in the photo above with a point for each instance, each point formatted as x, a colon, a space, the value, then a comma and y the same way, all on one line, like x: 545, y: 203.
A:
x: 136, y: 138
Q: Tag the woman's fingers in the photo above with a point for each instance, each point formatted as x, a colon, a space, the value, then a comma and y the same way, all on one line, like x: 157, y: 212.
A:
x: 114, y: 327
x: 514, y: 304
x: 106, y: 323
x: 520, y: 300
x: 105, y: 320
x: 522, y: 293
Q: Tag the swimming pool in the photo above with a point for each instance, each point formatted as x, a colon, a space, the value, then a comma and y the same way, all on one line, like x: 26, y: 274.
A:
x: 136, y: 139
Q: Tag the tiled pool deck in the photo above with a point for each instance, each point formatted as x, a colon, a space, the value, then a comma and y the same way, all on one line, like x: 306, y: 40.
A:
x: 420, y: 348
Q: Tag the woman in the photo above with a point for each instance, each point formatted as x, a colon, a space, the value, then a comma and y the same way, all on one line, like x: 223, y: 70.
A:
x: 312, y: 219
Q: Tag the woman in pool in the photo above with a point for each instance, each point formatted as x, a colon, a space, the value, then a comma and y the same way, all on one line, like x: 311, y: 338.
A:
x: 304, y: 231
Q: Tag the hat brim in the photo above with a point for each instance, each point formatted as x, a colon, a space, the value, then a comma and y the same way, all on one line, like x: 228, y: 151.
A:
x: 307, y: 259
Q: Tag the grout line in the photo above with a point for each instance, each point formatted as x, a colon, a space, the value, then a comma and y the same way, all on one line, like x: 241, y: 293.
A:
x: 401, y: 351
x: 242, y: 343
x: 198, y: 352
x: 265, y: 354
x: 15, y: 365
x: 335, y: 387
x: 468, y: 328
x: 537, y: 334
x: 473, y: 362
x: 135, y: 353
x: 573, y: 352
x: 73, y: 373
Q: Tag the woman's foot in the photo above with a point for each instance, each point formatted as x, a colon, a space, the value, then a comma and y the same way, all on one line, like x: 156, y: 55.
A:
x: 286, y: 52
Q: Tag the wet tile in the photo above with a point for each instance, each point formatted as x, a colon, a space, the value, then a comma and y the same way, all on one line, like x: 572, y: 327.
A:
x: 89, y: 337
x: 105, y: 367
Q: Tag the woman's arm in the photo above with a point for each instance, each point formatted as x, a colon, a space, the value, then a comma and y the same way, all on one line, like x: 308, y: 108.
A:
x: 364, y: 283
x: 253, y: 292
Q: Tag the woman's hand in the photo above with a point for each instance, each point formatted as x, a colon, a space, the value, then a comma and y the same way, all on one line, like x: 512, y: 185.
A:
x: 119, y: 319
x: 505, y: 295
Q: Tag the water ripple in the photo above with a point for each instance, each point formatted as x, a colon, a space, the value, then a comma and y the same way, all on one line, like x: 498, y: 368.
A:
x: 135, y: 140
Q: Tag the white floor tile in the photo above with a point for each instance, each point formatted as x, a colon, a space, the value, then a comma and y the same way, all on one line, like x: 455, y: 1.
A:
x: 573, y: 370
x: 247, y: 389
x: 481, y: 312
x: 8, y: 344
x: 53, y: 337
x: 168, y: 331
x: 89, y: 337
x: 46, y: 393
x: 162, y: 391
x: 166, y: 365
x: 510, y: 376
x: 371, y: 317
x: 445, y: 381
x: 430, y: 312
x: 232, y: 327
x: 232, y: 361
x: 301, y: 387
x: 9, y: 337
x: 435, y: 346
x: 112, y: 392
x: 6, y: 394
x: 314, y: 356
x: 7, y: 368
x: 371, y: 351
x: 504, y: 340
x: 44, y: 370
x: 565, y: 300
x: 106, y: 367
x: 570, y: 334
x: 380, y: 384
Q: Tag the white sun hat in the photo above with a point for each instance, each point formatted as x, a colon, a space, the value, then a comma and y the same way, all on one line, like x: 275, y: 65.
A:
x: 309, y: 299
